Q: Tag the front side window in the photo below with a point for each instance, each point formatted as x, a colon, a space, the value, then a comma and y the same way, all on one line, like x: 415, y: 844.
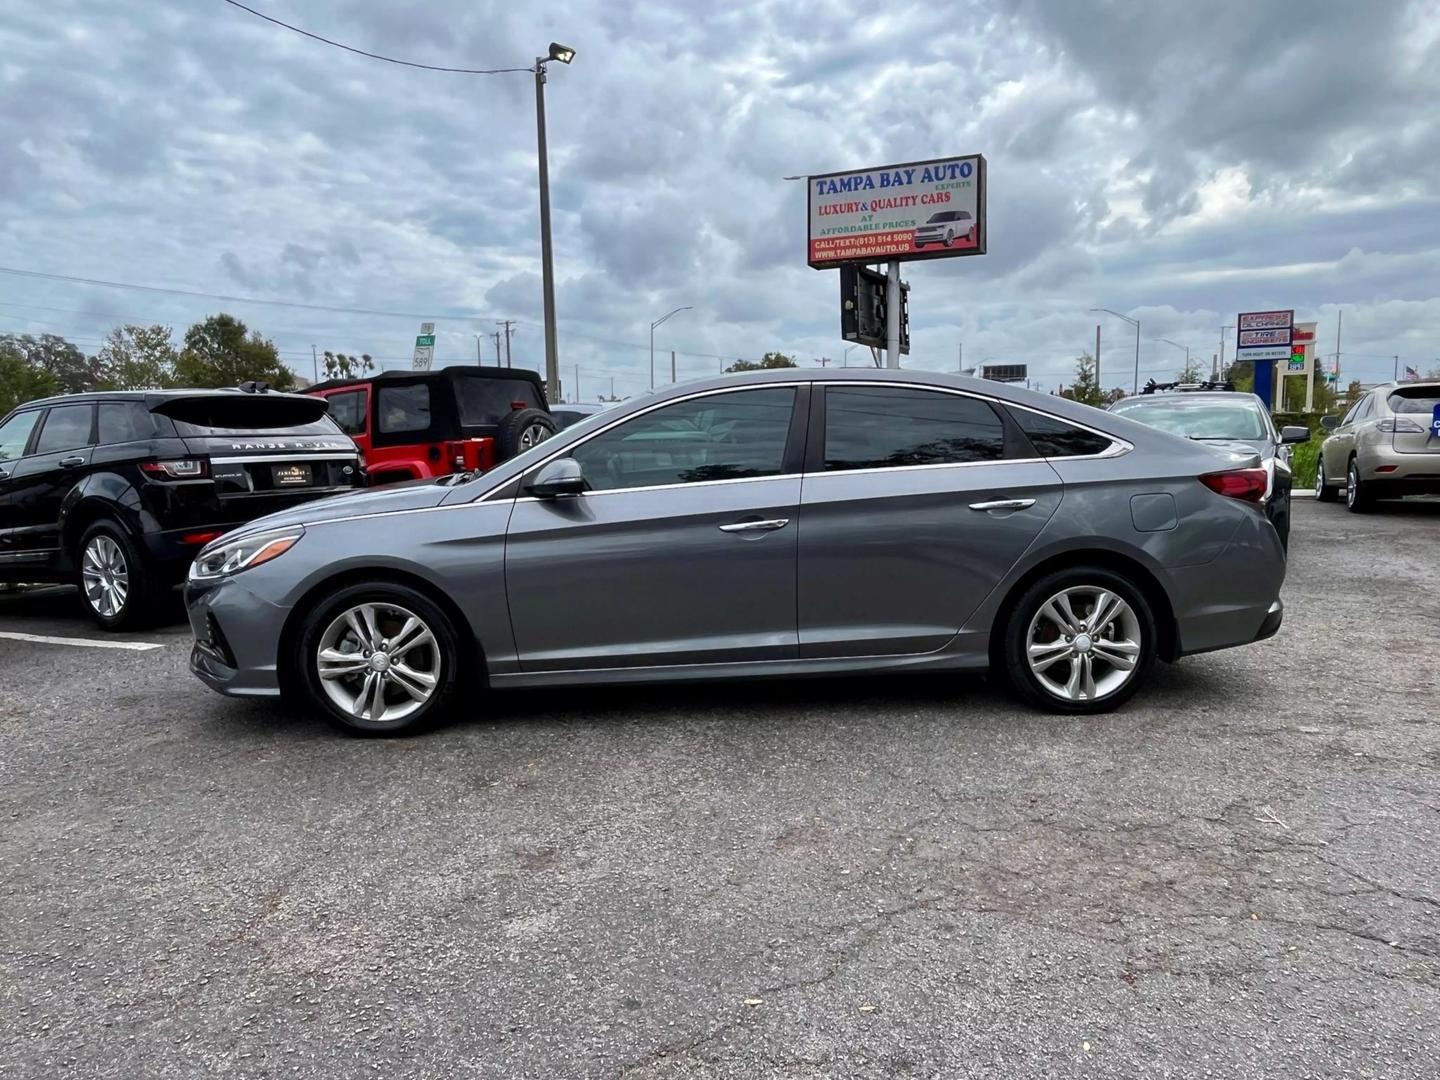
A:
x: 728, y: 436
x: 404, y: 408
x: 348, y: 411
x: 878, y: 427
x: 66, y: 428
x: 1055, y: 438
x: 15, y: 433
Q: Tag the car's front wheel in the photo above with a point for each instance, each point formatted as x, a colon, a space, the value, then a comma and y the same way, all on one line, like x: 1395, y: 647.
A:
x: 378, y: 659
x: 1080, y: 641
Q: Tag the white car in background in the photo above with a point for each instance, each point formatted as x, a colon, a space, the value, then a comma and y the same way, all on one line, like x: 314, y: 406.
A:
x: 945, y: 227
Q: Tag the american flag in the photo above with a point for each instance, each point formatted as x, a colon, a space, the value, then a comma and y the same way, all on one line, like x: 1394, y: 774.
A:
x: 1411, y: 374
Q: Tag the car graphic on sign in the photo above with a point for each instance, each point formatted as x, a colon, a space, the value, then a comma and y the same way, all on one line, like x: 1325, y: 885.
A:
x: 945, y: 227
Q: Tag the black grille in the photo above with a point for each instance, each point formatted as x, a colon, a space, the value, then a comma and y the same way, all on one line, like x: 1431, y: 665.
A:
x: 215, y: 640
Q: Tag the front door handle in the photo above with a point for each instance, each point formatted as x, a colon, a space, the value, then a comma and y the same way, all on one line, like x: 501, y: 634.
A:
x: 72, y: 462
x: 756, y: 526
x: 1004, y: 504
x: 4, y: 474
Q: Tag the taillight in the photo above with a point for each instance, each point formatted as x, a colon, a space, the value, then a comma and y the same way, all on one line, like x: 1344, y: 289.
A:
x: 1247, y: 485
x: 180, y: 469
x: 1403, y: 424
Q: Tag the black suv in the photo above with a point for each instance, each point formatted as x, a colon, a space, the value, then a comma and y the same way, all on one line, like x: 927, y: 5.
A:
x: 119, y: 491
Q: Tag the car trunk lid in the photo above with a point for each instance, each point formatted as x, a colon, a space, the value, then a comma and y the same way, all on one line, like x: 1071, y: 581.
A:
x: 1416, y: 406
x: 264, y: 444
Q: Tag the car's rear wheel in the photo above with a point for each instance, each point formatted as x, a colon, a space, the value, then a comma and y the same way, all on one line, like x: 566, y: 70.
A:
x: 1323, y: 491
x: 1080, y: 641
x: 117, y: 585
x: 378, y: 659
x: 524, y: 428
x: 1358, y: 496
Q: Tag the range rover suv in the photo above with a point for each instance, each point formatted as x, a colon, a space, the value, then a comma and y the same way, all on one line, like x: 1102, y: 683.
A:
x: 118, y: 491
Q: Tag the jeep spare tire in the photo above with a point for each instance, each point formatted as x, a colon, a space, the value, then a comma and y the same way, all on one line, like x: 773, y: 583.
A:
x: 523, y: 428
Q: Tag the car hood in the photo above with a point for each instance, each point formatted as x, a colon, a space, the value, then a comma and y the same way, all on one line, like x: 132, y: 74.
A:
x: 412, y: 495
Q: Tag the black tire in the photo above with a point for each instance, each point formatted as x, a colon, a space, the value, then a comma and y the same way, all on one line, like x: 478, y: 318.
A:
x: 1359, y: 498
x: 949, y: 240
x: 1026, y: 610
x: 518, y: 430
x: 1323, y: 491
x: 143, y: 592
x: 443, y: 664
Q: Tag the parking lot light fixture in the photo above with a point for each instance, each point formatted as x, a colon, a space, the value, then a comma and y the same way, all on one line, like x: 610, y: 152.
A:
x: 562, y: 53
x: 654, y: 324
x: 1135, y: 323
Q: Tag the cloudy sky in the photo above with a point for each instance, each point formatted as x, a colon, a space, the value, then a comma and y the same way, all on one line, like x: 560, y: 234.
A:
x: 1176, y: 160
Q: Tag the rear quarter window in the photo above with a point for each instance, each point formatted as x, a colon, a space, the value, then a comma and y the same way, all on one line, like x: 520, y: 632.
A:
x: 1052, y: 437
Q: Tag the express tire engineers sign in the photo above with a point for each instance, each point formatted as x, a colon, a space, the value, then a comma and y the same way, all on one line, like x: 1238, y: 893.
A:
x: 1264, y: 335
x: 918, y: 210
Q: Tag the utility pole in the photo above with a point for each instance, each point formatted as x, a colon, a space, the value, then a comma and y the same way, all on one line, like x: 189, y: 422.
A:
x: 672, y: 365
x: 612, y: 387
x: 1339, y: 325
x: 578, y: 398
x: 823, y: 361
x: 507, y: 323
x: 1098, y: 385
x: 479, y: 360
x: 960, y: 357
x: 1397, y: 368
x: 316, y: 361
x: 496, y: 336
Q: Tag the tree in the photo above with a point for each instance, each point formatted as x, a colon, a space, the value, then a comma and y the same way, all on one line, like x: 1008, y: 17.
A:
x: 222, y: 351
x: 769, y: 361
x: 72, y: 371
x: 20, y: 381
x: 1086, y: 388
x: 1191, y: 372
x: 137, y: 358
x: 340, y: 366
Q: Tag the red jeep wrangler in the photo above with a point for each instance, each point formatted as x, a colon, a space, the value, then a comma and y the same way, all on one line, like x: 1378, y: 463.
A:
x: 413, y: 424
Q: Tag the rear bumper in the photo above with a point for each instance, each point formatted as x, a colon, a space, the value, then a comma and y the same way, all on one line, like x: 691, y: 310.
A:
x: 1271, y: 626
x: 1234, y: 600
x: 1420, y: 470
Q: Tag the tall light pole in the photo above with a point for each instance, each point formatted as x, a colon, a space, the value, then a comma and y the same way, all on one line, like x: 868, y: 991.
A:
x: 1135, y: 323
x: 654, y: 324
x: 1223, y: 331
x: 1177, y: 345
x: 564, y: 54
x: 845, y: 359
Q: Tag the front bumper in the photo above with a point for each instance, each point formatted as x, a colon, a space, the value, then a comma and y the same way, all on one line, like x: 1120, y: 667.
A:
x: 237, y: 638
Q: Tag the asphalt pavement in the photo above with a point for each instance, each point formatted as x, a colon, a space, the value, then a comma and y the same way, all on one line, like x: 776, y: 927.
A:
x: 1233, y: 877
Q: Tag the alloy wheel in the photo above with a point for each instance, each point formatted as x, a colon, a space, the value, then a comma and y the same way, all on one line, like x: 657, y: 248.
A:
x: 535, y: 433
x: 378, y: 662
x: 1352, y: 484
x: 104, y: 576
x: 1083, y: 644
x: 1319, y: 477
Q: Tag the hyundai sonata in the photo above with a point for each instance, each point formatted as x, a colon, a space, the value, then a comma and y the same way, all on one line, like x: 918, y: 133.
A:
x: 777, y: 523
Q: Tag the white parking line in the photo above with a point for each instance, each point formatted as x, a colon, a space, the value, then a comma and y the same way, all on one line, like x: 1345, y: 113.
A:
x: 84, y: 643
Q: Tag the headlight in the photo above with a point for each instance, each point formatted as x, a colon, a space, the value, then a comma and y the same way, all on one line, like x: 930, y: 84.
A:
x: 230, y: 557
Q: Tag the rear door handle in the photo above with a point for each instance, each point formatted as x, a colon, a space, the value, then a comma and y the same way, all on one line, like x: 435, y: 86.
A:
x: 1004, y: 504
x: 756, y: 526
x: 72, y: 462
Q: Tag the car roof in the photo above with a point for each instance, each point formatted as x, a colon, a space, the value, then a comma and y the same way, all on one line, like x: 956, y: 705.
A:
x: 1187, y: 395
x: 148, y: 398
x: 445, y: 373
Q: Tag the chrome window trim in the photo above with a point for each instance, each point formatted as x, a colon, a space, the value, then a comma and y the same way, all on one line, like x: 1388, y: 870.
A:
x: 566, y: 451
x: 931, y: 465
x: 667, y: 487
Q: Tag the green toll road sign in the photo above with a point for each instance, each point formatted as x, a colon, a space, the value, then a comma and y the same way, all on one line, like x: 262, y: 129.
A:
x: 424, y: 339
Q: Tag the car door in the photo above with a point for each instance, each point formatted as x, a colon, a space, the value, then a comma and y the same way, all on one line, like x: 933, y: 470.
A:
x: 39, y: 481
x: 682, y: 550
x: 916, y: 503
x: 15, y: 437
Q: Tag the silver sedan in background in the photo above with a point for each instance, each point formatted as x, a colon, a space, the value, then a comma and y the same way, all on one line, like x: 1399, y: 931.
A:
x: 777, y: 523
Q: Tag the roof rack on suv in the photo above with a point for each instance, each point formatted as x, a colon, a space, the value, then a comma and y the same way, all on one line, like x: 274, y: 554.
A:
x: 1152, y: 387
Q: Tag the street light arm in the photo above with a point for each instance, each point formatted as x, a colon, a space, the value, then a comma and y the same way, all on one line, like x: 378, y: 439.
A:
x: 667, y: 315
x: 1127, y: 318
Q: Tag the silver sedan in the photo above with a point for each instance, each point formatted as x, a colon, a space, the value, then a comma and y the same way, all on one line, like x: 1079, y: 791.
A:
x: 779, y: 523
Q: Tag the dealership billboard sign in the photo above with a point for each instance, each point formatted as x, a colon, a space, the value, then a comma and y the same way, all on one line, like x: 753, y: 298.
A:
x: 918, y: 210
x: 1264, y: 335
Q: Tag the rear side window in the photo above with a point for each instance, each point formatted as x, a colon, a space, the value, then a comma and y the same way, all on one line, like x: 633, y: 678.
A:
x: 15, y: 433
x: 123, y: 422
x: 348, y: 410
x: 877, y: 427
x: 484, y: 401
x: 1055, y: 438
x: 404, y: 408
x: 66, y: 428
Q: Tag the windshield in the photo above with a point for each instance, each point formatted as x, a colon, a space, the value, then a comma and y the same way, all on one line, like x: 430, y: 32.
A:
x: 1415, y: 400
x: 1199, y: 419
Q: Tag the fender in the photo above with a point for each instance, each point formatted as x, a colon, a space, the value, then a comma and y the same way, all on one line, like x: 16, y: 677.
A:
x: 113, y: 496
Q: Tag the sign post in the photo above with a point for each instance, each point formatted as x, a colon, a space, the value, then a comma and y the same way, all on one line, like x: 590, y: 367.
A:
x: 424, y: 348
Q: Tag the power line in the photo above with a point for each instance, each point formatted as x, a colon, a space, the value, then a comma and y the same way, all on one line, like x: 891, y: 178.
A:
x: 371, y: 55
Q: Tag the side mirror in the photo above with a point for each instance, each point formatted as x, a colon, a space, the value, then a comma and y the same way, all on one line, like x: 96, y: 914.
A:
x: 1329, y: 423
x: 560, y: 478
x: 1294, y: 434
